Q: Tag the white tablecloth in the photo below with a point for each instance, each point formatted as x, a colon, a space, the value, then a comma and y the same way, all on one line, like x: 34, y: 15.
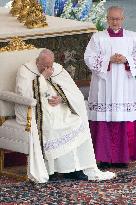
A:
x: 10, y: 27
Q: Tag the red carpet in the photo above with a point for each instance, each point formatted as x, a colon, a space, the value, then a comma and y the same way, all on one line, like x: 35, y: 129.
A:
x: 119, y: 191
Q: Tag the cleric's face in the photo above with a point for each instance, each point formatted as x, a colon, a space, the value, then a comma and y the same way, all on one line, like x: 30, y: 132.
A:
x: 45, y: 63
x: 115, y: 19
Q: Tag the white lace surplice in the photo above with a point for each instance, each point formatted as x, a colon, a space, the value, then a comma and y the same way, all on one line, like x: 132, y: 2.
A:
x: 112, y: 94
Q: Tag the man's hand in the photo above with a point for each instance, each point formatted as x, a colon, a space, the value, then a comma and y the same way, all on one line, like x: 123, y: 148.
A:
x: 55, y: 100
x: 113, y: 59
x: 118, y: 58
x: 121, y: 58
x: 47, y: 72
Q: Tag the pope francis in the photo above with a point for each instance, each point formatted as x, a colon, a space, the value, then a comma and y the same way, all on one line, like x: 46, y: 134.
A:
x: 61, y: 119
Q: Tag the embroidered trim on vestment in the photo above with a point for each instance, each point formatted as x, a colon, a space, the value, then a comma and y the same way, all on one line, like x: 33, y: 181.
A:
x: 66, y: 138
x: 114, y: 107
x: 98, y: 59
x: 59, y: 90
x: 38, y: 110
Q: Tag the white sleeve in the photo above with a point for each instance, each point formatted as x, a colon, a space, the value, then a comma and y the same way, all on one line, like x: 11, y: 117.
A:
x: 95, y: 59
x: 23, y: 88
x: 132, y: 60
x: 24, y: 82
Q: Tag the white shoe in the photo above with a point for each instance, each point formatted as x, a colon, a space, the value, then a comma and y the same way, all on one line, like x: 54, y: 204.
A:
x: 96, y: 174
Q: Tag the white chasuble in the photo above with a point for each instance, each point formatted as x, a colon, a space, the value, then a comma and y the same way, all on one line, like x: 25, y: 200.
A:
x: 67, y: 142
x: 112, y: 94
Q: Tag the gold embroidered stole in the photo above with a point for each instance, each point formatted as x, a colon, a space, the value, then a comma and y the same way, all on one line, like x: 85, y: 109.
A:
x: 38, y: 110
x: 60, y: 92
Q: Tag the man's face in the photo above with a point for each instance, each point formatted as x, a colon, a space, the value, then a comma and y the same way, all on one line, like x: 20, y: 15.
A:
x: 115, y: 19
x: 45, y: 63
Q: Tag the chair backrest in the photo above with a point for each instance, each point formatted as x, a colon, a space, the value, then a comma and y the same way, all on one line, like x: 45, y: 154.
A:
x: 9, y: 64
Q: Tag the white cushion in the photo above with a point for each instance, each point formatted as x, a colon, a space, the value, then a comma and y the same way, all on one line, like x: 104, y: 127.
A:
x: 9, y: 64
x: 6, y: 108
x: 18, y: 99
x: 14, y: 137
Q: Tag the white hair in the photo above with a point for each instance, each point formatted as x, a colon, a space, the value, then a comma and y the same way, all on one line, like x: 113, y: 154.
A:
x: 46, y: 52
x: 115, y: 8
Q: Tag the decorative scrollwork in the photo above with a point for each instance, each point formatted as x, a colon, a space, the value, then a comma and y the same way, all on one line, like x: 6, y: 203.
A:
x: 16, y: 44
x: 16, y: 7
x: 29, y: 118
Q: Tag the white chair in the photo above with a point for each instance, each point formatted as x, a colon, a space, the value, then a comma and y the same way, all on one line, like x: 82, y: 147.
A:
x: 13, y: 136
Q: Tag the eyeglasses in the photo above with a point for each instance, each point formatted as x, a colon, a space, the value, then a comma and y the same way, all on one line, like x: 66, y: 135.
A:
x: 44, y: 66
x: 114, y: 19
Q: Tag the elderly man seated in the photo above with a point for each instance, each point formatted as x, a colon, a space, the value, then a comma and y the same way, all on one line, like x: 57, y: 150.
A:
x: 61, y: 118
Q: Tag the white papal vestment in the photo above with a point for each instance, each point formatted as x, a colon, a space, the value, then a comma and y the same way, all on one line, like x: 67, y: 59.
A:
x: 66, y: 136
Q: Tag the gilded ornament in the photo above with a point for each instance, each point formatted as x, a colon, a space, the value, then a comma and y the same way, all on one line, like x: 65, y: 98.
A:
x: 16, y: 44
x: 35, y: 17
x: 16, y: 7
x: 24, y: 10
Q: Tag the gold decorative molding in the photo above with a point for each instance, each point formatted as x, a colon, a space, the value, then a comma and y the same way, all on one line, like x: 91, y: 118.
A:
x: 16, y: 7
x: 29, y: 118
x: 9, y: 172
x: 26, y: 4
x: 35, y: 17
x: 1, y: 160
x: 30, y: 12
x: 2, y: 120
x: 16, y: 44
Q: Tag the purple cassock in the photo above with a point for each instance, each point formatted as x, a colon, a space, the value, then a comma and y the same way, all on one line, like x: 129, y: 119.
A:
x: 114, y: 142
